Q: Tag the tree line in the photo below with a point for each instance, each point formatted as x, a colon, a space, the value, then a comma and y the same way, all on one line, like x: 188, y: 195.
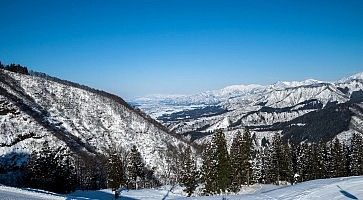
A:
x: 272, y: 162
x: 15, y: 68
x: 63, y: 172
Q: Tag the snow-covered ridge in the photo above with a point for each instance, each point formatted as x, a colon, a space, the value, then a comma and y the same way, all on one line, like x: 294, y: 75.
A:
x: 358, y: 76
x: 36, y: 109
x: 252, y: 105
x: 241, y: 92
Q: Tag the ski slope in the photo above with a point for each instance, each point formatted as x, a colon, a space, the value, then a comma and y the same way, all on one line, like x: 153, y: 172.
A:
x: 327, y: 189
x: 10, y: 193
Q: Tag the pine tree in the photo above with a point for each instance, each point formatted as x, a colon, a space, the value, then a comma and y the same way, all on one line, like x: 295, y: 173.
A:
x: 265, y: 164
x: 275, y: 168
x: 40, y: 169
x: 356, y: 155
x: 189, y: 173
x: 135, y: 166
x: 318, y: 161
x: 115, y: 171
x: 286, y: 164
x: 347, y: 159
x: 247, y: 154
x: 257, y: 166
x: 338, y: 159
x: 327, y: 160
x: 222, y: 162
x: 209, y: 171
x: 66, y: 177
x: 216, y: 166
x: 237, y: 162
x: 294, y: 162
x: 50, y: 171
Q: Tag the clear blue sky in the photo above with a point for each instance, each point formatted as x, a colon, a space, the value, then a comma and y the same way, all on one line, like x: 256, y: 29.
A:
x: 133, y: 48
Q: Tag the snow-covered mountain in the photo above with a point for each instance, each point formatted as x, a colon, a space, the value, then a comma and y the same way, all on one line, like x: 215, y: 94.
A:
x: 37, y: 108
x: 293, y: 108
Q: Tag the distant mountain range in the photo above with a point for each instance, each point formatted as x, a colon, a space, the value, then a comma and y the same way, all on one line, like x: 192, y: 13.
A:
x: 309, y: 110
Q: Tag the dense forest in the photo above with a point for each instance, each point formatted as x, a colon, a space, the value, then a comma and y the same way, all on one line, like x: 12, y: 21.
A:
x: 276, y: 162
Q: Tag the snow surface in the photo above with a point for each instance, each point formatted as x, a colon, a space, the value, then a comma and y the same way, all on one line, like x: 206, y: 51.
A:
x: 10, y: 193
x: 335, y: 188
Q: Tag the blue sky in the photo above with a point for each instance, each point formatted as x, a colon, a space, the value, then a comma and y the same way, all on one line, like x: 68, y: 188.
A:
x: 135, y: 48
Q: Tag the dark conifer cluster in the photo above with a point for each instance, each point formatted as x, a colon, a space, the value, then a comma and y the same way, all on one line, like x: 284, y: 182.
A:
x: 50, y: 171
x: 189, y: 172
x: 61, y: 172
x: 276, y: 162
x: 15, y: 68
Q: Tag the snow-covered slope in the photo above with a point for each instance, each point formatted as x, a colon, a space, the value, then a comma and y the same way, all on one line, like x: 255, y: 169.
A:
x: 35, y: 109
x: 11, y: 193
x: 335, y: 188
x: 262, y: 108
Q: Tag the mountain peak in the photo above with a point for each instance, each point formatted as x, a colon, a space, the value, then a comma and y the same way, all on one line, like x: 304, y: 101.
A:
x: 287, y: 84
x: 237, y: 88
x: 352, y: 77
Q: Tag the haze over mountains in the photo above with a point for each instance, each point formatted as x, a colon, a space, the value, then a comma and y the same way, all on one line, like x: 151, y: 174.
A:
x: 309, y: 110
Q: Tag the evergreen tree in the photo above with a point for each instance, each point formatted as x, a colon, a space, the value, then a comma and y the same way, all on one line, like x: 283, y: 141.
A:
x: 347, y: 159
x: 356, y: 156
x: 237, y: 162
x: 223, y: 165
x: 275, y: 165
x: 115, y: 171
x: 50, y: 171
x: 286, y: 164
x: 318, y: 161
x: 265, y: 164
x: 209, y: 171
x: 247, y: 154
x: 40, y: 169
x: 338, y: 159
x: 294, y: 162
x: 66, y: 177
x: 327, y: 160
x: 189, y: 173
x: 91, y: 171
x: 257, y: 166
x: 135, y: 167
x: 216, y: 166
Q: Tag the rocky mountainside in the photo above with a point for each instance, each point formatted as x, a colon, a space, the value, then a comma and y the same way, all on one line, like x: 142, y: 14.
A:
x: 308, y: 110
x: 37, y: 108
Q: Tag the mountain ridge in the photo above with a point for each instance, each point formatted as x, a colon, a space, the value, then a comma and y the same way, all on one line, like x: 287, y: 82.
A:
x: 261, y: 105
x: 36, y: 108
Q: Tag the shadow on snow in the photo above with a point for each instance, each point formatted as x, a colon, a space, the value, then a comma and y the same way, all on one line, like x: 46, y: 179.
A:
x: 346, y: 194
x: 95, y: 195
